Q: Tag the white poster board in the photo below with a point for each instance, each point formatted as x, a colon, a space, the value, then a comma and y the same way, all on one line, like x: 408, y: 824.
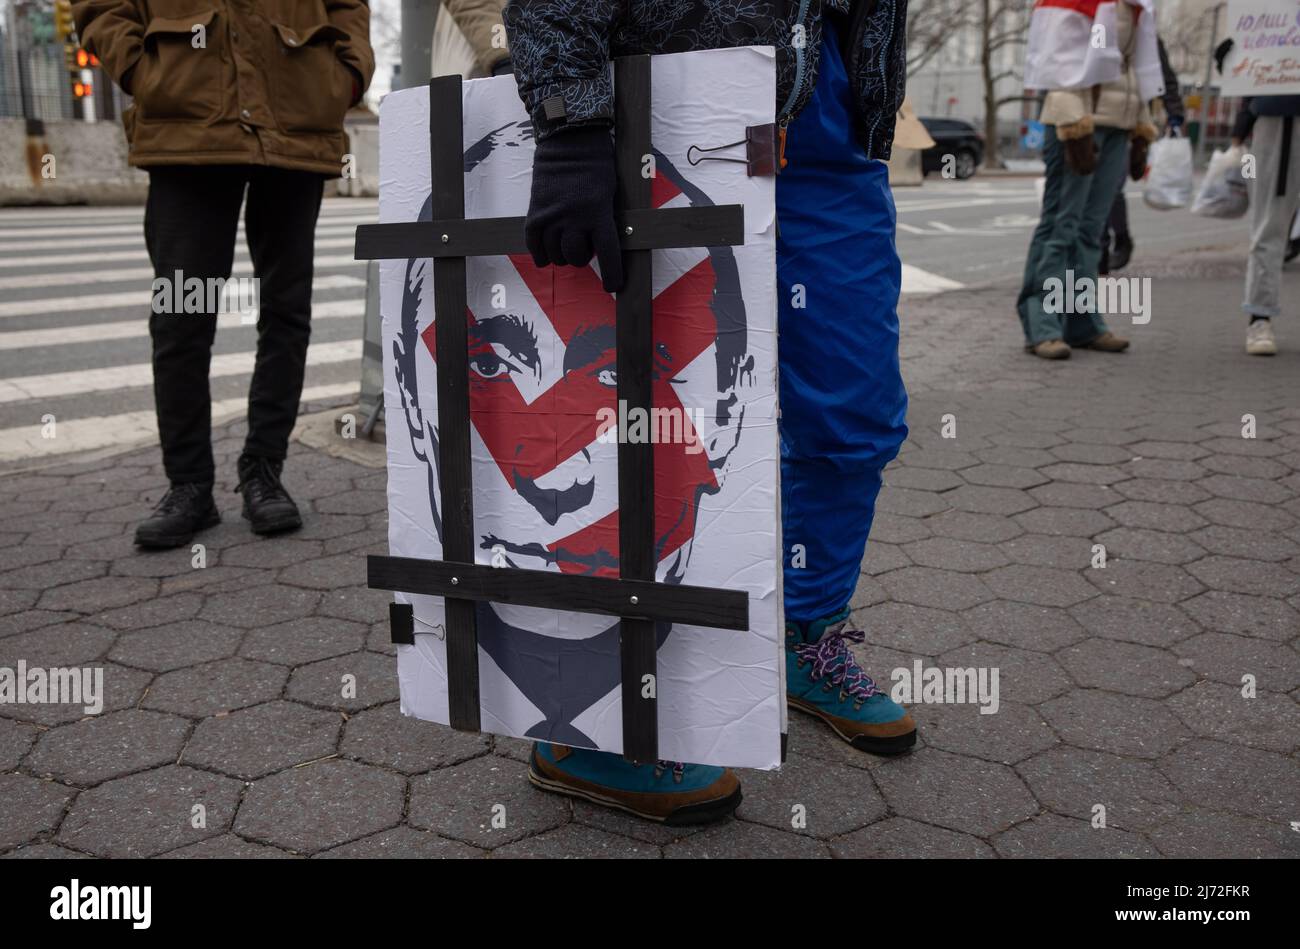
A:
x: 1265, y: 55
x: 544, y: 454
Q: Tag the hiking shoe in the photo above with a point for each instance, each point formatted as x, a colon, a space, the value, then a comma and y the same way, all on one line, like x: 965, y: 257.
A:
x: 823, y: 679
x: 1259, y: 338
x: 1107, y: 342
x: 1049, y: 349
x: 669, y: 792
x: 184, y: 509
x: 267, y: 505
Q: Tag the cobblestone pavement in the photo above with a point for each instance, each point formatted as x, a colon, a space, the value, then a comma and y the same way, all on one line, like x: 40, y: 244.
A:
x: 1120, y: 686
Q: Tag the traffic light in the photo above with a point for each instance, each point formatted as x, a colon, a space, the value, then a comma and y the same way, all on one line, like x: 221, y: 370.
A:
x: 64, y: 25
x: 81, y: 90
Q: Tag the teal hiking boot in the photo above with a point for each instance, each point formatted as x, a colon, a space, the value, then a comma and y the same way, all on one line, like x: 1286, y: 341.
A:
x: 823, y: 679
x: 669, y: 792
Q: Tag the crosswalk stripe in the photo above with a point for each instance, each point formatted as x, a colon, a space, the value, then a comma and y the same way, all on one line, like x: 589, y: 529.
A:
x: 81, y: 381
x: 916, y: 280
x: 92, y: 300
x: 78, y: 229
x: 132, y: 329
x: 329, y: 208
x: 33, y: 281
x: 28, y: 442
x: 93, y: 239
x: 138, y: 256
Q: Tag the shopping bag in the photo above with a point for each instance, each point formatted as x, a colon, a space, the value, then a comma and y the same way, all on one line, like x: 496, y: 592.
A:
x: 1223, y: 192
x: 1169, y: 174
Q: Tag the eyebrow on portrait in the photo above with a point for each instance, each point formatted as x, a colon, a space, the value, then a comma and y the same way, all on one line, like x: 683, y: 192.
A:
x: 509, y: 331
x: 587, y: 345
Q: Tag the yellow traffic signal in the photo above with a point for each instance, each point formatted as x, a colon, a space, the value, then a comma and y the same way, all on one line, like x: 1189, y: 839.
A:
x: 83, y: 58
x: 81, y: 89
x: 64, y: 25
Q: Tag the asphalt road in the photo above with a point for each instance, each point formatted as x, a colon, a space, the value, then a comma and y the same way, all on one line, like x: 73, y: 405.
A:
x: 74, y: 284
x: 976, y: 232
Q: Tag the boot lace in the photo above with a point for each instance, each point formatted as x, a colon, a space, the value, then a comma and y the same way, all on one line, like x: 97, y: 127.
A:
x: 676, y: 767
x: 177, y: 498
x: 831, y: 660
x: 261, y: 481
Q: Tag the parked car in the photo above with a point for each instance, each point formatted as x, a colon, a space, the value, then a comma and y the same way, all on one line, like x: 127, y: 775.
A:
x: 952, y: 137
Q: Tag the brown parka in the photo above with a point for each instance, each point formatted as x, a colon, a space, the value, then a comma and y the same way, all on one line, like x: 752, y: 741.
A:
x: 226, y: 82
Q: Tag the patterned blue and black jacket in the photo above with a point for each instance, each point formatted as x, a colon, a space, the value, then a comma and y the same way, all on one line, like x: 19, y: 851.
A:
x: 561, y: 50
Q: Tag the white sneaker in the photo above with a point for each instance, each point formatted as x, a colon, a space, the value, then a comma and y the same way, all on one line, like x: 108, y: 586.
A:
x: 1259, y: 339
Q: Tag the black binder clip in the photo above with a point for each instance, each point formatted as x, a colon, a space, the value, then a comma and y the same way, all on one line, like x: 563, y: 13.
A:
x: 760, y: 151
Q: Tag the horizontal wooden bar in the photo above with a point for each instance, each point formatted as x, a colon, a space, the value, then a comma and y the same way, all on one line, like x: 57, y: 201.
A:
x: 713, y: 226
x: 673, y: 603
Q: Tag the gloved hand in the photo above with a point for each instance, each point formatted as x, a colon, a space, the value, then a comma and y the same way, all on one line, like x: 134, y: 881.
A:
x: 1221, y: 53
x: 1081, y: 155
x: 1137, y: 158
x: 571, y: 212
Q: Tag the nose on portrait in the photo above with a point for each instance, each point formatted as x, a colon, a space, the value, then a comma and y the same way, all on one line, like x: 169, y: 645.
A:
x: 560, y: 491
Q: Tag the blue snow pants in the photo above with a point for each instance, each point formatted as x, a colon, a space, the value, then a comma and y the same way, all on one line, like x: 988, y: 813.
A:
x: 842, y: 398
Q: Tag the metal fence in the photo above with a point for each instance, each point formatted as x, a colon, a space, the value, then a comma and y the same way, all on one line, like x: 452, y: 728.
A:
x: 34, y: 81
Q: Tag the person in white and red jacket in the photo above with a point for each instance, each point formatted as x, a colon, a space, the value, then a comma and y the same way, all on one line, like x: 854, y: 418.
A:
x: 1100, y: 63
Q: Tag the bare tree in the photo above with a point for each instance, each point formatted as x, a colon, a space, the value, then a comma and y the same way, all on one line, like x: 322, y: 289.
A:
x: 1002, y: 24
x: 931, y: 24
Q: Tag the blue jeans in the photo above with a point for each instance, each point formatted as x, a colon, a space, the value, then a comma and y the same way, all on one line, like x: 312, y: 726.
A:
x: 1068, y: 236
x: 842, y: 398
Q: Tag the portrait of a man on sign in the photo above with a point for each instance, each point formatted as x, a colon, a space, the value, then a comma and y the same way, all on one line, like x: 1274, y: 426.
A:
x: 545, y: 427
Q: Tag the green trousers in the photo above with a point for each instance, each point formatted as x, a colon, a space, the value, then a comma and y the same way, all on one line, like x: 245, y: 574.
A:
x: 1067, y: 241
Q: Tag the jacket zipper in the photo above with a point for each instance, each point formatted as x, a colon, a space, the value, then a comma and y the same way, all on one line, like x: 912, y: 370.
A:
x: 800, y: 69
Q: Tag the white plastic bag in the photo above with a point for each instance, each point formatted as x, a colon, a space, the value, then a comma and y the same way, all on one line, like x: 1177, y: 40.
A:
x: 1169, y: 174
x: 1223, y: 193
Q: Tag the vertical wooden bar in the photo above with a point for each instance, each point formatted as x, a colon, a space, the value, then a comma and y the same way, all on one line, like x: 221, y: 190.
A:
x: 446, y: 168
x: 635, y: 353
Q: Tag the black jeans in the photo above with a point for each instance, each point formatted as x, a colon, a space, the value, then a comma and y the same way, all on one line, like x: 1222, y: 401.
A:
x: 190, y: 224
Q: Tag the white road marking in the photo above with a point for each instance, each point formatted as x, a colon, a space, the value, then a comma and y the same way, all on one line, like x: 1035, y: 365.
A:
x: 78, y: 212
x: 27, y: 442
x: 94, y: 301
x: 138, y: 256
x: 139, y: 328
x: 62, y: 277
x: 113, y: 378
x: 73, y: 229
x: 917, y: 281
x: 82, y: 240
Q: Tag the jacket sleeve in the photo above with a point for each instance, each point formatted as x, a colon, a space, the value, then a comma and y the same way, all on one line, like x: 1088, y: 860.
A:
x: 353, y: 18
x: 1172, y: 96
x: 1068, y: 111
x: 1245, y: 121
x: 560, y: 50
x: 477, y: 19
x: 113, y: 30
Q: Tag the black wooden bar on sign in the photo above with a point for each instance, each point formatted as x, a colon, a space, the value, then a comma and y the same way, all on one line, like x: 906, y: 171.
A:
x: 641, y: 229
x: 447, y: 175
x: 634, y: 342
x: 636, y: 599
x: 449, y: 238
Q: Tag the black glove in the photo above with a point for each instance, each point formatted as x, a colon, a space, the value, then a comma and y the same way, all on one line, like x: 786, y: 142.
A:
x: 1137, y: 158
x: 1081, y: 155
x: 571, y: 213
x: 1221, y: 53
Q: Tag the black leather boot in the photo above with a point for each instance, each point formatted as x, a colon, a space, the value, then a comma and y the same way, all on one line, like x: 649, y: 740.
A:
x: 267, y: 505
x: 184, y: 509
